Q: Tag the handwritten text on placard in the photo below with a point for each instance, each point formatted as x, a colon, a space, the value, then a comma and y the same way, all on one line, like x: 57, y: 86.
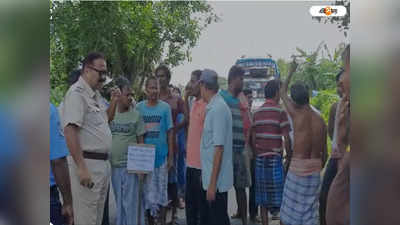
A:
x: 141, y: 158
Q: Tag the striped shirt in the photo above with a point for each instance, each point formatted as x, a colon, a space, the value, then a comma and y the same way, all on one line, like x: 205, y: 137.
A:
x: 271, y: 123
x: 238, y: 137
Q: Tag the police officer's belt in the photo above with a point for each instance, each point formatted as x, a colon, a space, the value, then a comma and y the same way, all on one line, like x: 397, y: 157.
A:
x: 95, y: 155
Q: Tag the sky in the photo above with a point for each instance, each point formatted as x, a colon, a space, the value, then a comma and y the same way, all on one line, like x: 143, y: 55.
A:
x: 256, y: 29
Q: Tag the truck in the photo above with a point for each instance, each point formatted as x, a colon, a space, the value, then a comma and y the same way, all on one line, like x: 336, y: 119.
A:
x: 258, y: 71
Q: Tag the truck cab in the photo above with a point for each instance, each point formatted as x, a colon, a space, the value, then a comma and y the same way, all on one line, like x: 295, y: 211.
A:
x: 258, y: 71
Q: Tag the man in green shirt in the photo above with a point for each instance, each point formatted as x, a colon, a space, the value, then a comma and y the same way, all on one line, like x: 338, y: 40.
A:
x: 126, y: 128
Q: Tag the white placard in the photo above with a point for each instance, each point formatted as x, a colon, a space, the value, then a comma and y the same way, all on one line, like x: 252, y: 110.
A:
x: 141, y: 158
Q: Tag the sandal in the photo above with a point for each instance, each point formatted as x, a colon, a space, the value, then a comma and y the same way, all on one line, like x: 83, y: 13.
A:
x: 236, y: 216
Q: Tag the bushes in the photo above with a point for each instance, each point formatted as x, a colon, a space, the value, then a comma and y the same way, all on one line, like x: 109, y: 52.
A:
x: 57, y: 94
x: 323, y: 102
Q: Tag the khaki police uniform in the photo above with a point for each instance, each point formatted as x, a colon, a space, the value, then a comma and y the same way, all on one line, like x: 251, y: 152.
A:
x: 84, y: 107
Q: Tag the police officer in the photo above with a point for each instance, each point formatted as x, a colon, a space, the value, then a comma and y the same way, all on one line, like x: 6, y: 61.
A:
x: 88, y: 137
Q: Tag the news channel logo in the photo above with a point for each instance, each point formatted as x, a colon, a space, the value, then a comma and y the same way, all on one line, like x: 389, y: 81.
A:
x: 328, y: 11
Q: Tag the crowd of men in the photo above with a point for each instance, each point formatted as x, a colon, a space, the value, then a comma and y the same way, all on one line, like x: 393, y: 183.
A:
x: 205, y: 143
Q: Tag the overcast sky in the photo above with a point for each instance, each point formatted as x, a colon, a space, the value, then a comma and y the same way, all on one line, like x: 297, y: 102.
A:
x: 255, y: 29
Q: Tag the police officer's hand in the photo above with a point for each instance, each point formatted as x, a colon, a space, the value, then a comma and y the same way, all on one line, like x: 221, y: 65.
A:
x: 85, y: 178
x: 68, y: 213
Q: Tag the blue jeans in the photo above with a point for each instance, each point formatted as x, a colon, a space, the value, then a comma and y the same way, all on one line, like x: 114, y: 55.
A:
x: 55, y: 207
x: 126, y: 191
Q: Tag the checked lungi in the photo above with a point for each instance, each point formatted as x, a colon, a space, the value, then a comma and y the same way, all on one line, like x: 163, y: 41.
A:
x: 155, y: 188
x: 300, y: 205
x: 241, y: 170
x: 269, y: 182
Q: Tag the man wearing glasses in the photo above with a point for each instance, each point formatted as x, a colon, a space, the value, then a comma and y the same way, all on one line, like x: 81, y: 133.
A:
x: 88, y: 137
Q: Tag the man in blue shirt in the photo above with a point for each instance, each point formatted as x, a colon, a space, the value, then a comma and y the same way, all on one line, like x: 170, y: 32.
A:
x: 216, y: 150
x: 59, y: 215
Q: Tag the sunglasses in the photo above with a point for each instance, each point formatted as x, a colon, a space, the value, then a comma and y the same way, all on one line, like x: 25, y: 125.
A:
x: 102, y: 73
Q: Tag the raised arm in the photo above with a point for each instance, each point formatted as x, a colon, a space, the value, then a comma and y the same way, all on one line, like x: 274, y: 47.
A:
x: 289, y: 104
x: 115, y: 95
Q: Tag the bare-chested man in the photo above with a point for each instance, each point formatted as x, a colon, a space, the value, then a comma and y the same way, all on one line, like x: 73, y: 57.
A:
x: 300, y: 204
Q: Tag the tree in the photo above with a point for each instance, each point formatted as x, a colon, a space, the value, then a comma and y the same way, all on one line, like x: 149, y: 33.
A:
x: 283, y: 68
x: 318, y: 68
x: 343, y: 23
x: 134, y: 36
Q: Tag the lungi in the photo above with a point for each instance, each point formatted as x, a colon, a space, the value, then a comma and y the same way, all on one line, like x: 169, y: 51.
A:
x: 300, y: 205
x: 269, y: 182
x: 155, y: 186
x: 241, y: 170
